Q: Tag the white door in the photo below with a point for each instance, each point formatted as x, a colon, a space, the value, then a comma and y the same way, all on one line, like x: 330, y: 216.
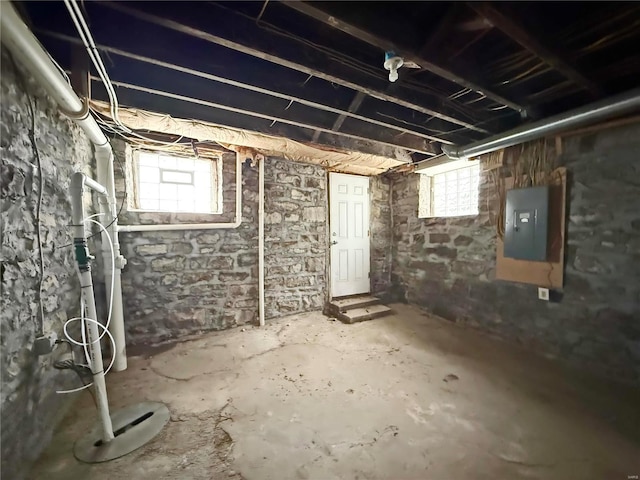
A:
x: 349, y: 222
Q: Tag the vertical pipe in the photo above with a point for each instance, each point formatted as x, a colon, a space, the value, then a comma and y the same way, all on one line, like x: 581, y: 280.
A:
x: 84, y: 265
x: 17, y: 37
x: 97, y: 366
x: 104, y: 160
x: 261, y: 237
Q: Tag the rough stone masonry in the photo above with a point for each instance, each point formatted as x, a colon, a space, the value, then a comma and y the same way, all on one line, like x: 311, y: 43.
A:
x: 184, y: 282
x: 30, y: 407
x: 447, y: 265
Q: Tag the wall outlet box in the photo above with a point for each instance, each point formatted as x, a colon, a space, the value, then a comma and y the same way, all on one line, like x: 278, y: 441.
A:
x: 543, y: 293
x: 43, y: 344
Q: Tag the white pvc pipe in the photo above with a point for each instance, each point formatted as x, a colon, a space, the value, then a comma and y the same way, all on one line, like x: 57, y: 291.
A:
x: 104, y: 160
x: 97, y: 366
x: 261, y: 239
x: 24, y: 46
x: 198, y: 226
x: 78, y: 181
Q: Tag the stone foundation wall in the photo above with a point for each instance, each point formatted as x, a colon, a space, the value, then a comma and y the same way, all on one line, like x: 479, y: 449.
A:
x: 448, y: 265
x: 178, y: 283
x: 381, y: 235
x: 30, y: 408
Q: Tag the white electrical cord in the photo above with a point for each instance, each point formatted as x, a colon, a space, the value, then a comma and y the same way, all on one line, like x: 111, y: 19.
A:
x: 105, y: 328
x: 92, y: 50
x: 113, y: 345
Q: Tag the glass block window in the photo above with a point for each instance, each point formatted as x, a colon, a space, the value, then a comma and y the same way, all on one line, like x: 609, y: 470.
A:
x: 166, y: 183
x: 451, y: 193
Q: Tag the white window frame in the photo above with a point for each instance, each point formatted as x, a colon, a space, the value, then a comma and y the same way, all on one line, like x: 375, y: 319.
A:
x: 215, y: 184
x: 427, y: 185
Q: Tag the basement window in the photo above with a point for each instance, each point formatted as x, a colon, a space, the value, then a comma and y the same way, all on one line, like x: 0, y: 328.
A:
x: 449, y: 190
x: 167, y: 183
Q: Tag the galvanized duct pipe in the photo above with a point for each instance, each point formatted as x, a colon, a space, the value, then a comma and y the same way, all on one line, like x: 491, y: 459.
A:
x: 613, y: 106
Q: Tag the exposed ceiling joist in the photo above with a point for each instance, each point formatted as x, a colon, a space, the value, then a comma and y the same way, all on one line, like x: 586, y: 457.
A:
x: 443, y: 27
x: 339, y: 160
x: 519, y: 34
x: 174, y: 104
x: 280, y: 93
x: 387, y: 45
x: 239, y: 33
x: 353, y: 107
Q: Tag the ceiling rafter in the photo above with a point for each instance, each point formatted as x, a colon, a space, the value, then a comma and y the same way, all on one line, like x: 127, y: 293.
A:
x: 527, y: 40
x: 228, y: 81
x: 353, y: 107
x: 387, y: 45
x: 240, y: 33
x: 376, y: 144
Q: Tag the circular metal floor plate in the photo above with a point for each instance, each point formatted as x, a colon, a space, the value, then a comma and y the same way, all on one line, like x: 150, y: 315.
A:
x: 91, y: 449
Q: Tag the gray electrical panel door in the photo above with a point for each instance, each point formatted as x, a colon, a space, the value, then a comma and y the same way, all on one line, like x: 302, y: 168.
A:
x: 525, y: 235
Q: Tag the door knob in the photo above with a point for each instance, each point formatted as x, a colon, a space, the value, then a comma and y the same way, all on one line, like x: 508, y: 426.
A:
x: 334, y: 242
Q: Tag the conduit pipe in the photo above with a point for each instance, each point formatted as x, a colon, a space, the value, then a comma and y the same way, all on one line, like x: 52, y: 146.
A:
x: 78, y: 182
x: 261, y: 159
x: 613, y: 106
x: 198, y: 226
x: 24, y: 46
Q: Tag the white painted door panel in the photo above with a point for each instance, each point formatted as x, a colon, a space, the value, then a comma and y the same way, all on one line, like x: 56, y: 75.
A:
x: 349, y: 228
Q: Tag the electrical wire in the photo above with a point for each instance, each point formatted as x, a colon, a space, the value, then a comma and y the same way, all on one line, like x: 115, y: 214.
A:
x: 113, y: 350
x: 84, y: 343
x: 36, y: 154
x: 87, y: 39
x: 92, y: 50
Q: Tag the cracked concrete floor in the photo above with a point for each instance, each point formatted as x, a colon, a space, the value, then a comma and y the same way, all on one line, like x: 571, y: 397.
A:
x: 406, y: 396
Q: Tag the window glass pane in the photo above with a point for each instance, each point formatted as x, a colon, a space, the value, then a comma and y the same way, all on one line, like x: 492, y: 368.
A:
x: 456, y: 192
x: 167, y: 162
x: 148, y: 159
x: 168, y: 191
x: 186, y: 205
x: 176, y: 176
x: 202, y: 166
x: 149, y: 191
x: 149, y: 174
x: 149, y: 203
x: 168, y: 205
x: 186, y: 192
x: 185, y: 164
x: 176, y: 184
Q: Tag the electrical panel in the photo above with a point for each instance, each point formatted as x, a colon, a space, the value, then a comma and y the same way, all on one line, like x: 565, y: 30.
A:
x: 526, y: 215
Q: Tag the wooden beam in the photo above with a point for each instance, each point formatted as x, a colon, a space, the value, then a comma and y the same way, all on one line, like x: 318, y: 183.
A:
x: 355, y: 105
x: 80, y: 68
x: 519, y: 34
x: 443, y: 27
x: 168, y: 102
x: 387, y: 45
x: 236, y: 32
x: 283, y: 93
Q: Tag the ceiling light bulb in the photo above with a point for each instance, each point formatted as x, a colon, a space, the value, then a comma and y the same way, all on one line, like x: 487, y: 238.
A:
x: 393, y: 62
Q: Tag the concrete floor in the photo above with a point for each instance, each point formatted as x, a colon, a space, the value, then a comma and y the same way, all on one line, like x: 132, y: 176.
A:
x: 405, y: 397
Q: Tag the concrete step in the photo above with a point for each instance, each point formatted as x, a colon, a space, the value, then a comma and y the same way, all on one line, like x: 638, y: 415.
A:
x: 346, y: 304
x: 365, y: 313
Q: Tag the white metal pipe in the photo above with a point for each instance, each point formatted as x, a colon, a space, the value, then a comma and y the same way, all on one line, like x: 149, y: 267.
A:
x: 17, y: 37
x: 198, y: 226
x: 24, y: 46
x: 261, y: 238
x: 78, y: 181
x: 609, y: 107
